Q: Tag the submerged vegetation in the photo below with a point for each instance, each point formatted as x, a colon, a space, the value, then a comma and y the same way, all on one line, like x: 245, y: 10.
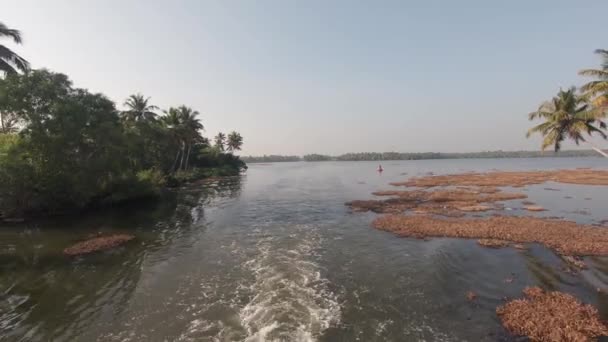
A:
x: 64, y: 148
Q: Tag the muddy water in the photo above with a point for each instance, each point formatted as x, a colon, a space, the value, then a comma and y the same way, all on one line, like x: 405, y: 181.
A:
x: 276, y: 256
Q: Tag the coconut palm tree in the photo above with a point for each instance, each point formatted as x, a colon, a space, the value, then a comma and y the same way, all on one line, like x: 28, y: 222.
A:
x: 185, y: 128
x: 220, y: 141
x: 234, y: 142
x: 171, y: 121
x: 10, y: 62
x: 598, y: 89
x: 139, y: 109
x: 192, y: 127
x: 567, y: 115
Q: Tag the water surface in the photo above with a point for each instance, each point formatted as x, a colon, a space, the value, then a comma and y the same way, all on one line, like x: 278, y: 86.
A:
x: 275, y: 255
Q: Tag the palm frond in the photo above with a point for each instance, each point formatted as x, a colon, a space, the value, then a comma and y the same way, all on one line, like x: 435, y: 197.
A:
x: 14, y: 59
x: 12, y: 33
x: 7, y: 68
x: 594, y: 73
x: 592, y: 129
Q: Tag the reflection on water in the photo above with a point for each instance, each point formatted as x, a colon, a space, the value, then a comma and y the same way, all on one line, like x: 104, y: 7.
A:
x: 276, y: 256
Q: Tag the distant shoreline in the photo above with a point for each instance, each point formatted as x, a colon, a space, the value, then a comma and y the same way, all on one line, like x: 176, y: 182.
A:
x: 388, y: 156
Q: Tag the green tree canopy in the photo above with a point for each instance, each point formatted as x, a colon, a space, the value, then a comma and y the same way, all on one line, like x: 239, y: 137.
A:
x: 234, y: 141
x: 566, y: 116
x: 139, y: 109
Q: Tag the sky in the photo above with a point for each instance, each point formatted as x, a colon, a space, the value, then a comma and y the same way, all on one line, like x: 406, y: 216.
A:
x: 318, y: 76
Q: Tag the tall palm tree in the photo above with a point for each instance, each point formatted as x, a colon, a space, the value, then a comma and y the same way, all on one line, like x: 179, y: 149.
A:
x: 139, y: 109
x: 598, y: 89
x: 192, y: 127
x: 185, y: 128
x: 220, y: 141
x: 10, y: 62
x: 567, y: 115
x: 234, y: 142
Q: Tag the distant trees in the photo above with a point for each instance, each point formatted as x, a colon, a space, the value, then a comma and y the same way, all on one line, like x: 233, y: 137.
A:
x: 317, y: 157
x: 11, y: 62
x: 270, y: 159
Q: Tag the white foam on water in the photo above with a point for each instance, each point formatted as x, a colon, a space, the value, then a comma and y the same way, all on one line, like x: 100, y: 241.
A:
x: 290, y: 299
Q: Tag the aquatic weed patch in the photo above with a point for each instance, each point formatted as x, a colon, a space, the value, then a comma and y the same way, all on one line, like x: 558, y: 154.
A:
x: 564, y: 237
x: 445, y: 202
x: 97, y: 244
x: 551, y: 316
x: 514, y: 179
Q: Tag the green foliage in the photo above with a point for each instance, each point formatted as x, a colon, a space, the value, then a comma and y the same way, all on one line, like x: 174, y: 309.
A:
x: 599, y: 87
x: 138, y: 109
x: 567, y: 116
x: 220, y: 141
x: 234, y: 142
x: 75, y: 151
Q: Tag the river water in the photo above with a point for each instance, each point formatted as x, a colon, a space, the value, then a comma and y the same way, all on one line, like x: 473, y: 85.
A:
x: 276, y: 256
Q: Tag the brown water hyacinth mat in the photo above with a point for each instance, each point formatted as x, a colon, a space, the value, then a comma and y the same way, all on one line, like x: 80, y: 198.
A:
x: 97, y: 244
x: 493, y: 243
x: 439, y: 202
x: 534, y: 208
x: 551, y: 316
x: 564, y: 237
x: 515, y: 179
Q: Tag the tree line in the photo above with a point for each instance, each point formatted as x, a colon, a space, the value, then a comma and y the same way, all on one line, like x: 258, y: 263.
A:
x: 65, y: 148
x: 378, y: 156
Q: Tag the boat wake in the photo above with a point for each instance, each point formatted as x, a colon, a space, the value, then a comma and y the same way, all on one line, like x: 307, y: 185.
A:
x: 290, y: 299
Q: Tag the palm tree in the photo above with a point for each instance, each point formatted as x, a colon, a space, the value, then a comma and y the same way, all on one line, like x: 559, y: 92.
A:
x: 172, y: 122
x: 234, y: 142
x: 598, y: 89
x: 567, y: 115
x: 220, y: 140
x: 10, y: 62
x: 185, y: 129
x: 139, y: 109
x: 192, y: 127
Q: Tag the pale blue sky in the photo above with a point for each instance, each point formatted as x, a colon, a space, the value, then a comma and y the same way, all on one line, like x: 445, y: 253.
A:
x: 298, y: 77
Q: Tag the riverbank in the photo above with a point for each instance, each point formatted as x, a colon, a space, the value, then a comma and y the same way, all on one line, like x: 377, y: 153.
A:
x: 147, y: 186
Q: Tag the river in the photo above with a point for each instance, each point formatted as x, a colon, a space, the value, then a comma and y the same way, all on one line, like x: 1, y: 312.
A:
x: 276, y: 256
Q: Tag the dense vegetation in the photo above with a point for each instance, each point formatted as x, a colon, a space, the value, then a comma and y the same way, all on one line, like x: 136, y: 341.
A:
x: 64, y: 148
x: 573, y: 113
x: 69, y: 148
